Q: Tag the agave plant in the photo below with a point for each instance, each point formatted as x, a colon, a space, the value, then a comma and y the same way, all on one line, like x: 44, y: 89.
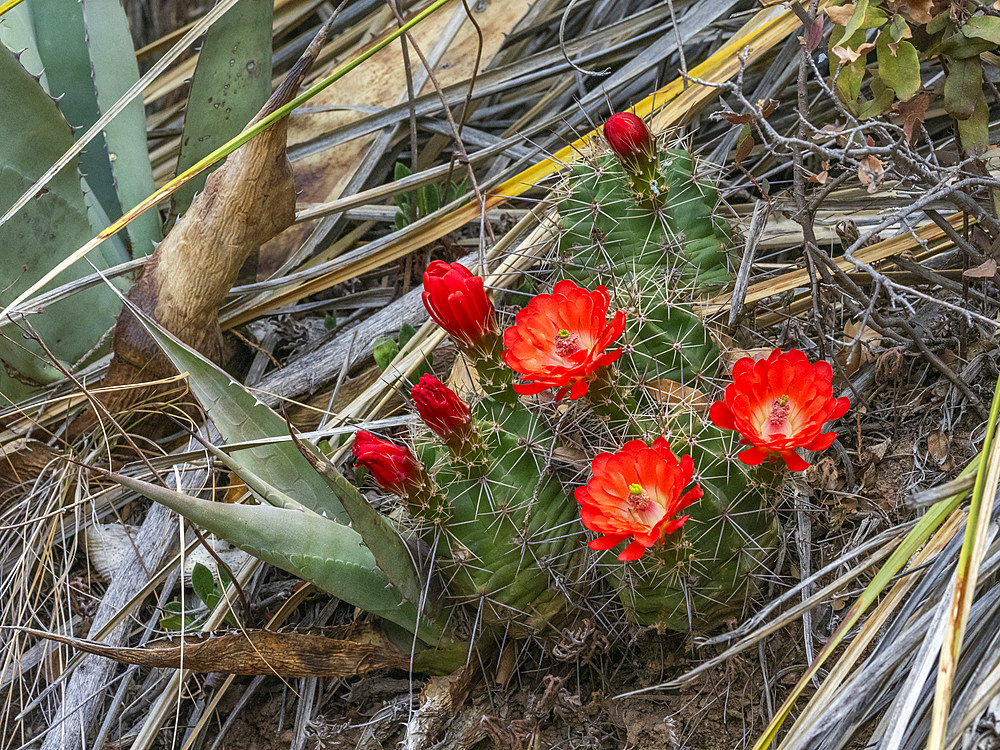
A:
x: 489, y: 535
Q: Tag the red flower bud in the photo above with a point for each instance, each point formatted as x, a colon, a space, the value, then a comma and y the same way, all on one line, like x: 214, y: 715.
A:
x: 457, y: 302
x: 441, y: 408
x: 779, y: 404
x: 629, y: 137
x: 394, y: 467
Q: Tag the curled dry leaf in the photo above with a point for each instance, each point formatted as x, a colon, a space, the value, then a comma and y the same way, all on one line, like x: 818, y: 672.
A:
x: 841, y: 14
x: 918, y: 11
x: 846, y: 55
x: 671, y: 393
x: 852, y: 357
x: 871, y: 173
x: 340, y: 651
x: 246, y: 201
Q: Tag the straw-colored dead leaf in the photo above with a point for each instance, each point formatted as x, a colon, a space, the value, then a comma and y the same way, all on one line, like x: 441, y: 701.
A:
x: 985, y: 270
x: 840, y: 14
x: 673, y: 394
x: 858, y: 345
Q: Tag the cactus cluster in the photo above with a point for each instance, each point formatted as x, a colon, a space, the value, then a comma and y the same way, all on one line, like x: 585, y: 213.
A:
x: 640, y: 229
x: 490, y: 538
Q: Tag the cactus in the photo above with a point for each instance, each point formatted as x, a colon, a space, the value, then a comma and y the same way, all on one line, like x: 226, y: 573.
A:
x: 656, y: 244
x: 506, y: 533
x: 487, y: 541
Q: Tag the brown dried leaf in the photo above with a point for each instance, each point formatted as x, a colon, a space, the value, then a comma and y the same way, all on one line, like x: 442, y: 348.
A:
x: 340, y: 651
x: 871, y: 173
x: 736, y: 118
x: 985, y: 270
x: 918, y: 11
x: 852, y: 358
x: 840, y: 14
x: 846, y: 55
x: 767, y: 107
x: 744, y: 145
x: 938, y: 446
x: 913, y: 112
x: 671, y: 393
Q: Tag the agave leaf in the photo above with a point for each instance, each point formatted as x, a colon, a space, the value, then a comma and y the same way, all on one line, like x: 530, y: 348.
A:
x: 274, y: 496
x: 241, y: 417
x: 61, y: 42
x: 231, y: 83
x: 319, y: 550
x: 42, y: 234
x: 391, y: 552
x: 115, y: 70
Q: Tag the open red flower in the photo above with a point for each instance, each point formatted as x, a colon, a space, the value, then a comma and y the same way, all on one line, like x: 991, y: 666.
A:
x: 441, y: 408
x: 558, y: 340
x: 394, y: 467
x: 637, y: 492
x: 779, y: 404
x: 628, y: 136
x: 457, y: 301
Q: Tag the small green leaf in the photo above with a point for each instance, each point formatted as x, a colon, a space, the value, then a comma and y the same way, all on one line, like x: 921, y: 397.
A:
x: 882, y: 101
x: 330, y: 321
x: 938, y: 23
x: 860, y: 10
x: 203, y: 582
x: 975, y: 130
x: 983, y: 27
x: 899, y: 69
x: 385, y: 350
x: 898, y: 29
x: 963, y: 87
x: 406, y: 332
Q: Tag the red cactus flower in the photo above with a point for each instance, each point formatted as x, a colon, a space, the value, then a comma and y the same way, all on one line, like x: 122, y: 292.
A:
x: 637, y: 492
x: 558, y: 340
x: 779, y: 404
x: 394, y: 467
x: 628, y: 136
x: 441, y: 408
x: 457, y: 302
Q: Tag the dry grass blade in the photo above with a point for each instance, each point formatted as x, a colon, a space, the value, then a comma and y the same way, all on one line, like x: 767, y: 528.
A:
x: 914, y: 541
x: 966, y: 576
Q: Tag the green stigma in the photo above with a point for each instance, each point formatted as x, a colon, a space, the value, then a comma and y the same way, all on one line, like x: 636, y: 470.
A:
x: 563, y: 333
x: 783, y: 401
x: 635, y: 489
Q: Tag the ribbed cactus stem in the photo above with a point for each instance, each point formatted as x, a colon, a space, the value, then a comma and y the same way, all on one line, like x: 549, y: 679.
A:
x: 646, y: 228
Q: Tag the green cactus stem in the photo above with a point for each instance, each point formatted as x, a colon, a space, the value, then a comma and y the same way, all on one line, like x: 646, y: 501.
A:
x: 657, y: 252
